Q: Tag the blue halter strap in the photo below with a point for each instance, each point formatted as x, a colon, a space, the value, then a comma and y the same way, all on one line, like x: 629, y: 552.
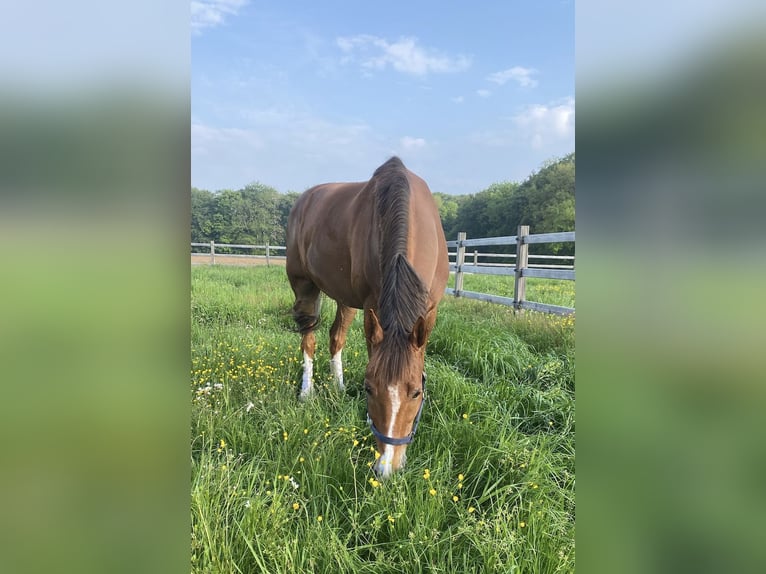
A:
x: 406, y: 439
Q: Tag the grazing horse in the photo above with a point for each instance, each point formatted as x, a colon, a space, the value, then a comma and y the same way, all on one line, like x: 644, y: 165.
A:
x: 379, y: 246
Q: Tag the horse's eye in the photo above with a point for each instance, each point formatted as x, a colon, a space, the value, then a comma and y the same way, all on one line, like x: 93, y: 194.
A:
x: 416, y: 394
x: 367, y: 388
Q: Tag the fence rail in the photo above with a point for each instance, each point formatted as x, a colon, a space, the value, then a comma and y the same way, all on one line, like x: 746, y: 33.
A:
x: 520, y: 268
x: 268, y: 256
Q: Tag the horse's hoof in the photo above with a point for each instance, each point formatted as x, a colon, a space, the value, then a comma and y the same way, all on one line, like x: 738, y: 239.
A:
x: 305, y: 395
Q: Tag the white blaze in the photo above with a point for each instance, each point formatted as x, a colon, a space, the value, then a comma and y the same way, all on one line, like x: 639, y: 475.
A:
x: 384, y: 465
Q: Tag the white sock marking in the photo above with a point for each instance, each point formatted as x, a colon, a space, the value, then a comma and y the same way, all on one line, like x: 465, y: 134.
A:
x: 336, y: 363
x: 308, y: 375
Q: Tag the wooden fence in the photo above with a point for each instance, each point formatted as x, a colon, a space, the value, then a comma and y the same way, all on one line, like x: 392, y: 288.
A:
x: 520, y: 269
x: 265, y: 252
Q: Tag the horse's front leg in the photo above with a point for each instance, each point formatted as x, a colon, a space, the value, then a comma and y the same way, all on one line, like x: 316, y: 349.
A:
x: 308, y: 346
x: 343, y: 319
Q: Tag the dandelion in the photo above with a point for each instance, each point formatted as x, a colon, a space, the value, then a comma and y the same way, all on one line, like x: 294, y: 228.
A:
x: 471, y: 510
x: 374, y: 483
x: 460, y: 477
x: 427, y: 474
x: 522, y: 524
x: 305, y: 431
x: 390, y: 519
x: 301, y: 459
x: 284, y: 435
x: 356, y: 442
x: 465, y: 416
x: 455, y: 498
x: 432, y: 492
x: 319, y: 518
x: 296, y: 506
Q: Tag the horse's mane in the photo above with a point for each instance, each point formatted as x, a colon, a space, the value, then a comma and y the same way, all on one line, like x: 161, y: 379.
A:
x: 403, y: 296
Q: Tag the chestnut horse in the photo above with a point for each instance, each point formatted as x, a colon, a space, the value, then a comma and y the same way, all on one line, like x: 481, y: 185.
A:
x: 379, y: 246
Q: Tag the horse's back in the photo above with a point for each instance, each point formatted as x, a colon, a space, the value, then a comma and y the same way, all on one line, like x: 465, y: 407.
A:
x: 333, y: 240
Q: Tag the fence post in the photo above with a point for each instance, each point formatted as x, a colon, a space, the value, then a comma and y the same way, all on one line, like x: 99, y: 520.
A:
x: 459, y: 260
x: 475, y: 257
x: 267, y: 255
x: 522, y: 255
x: 212, y: 252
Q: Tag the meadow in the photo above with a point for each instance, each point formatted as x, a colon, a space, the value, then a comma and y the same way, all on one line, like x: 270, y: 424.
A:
x: 279, y: 486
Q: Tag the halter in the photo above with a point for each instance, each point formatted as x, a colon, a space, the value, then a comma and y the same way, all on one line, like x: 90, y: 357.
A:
x: 403, y: 440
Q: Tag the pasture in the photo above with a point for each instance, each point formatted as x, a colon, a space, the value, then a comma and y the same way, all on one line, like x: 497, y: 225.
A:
x: 279, y: 486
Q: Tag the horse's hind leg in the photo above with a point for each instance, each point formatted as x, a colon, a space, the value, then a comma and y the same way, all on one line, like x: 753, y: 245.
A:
x: 306, y: 315
x: 343, y: 319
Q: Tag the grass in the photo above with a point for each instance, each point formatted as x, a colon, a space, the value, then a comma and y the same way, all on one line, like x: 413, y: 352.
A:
x: 280, y: 487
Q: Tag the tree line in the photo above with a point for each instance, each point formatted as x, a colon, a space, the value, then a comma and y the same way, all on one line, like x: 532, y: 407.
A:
x: 257, y: 214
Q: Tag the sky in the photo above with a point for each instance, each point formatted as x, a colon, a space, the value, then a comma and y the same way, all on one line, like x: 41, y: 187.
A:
x: 295, y: 93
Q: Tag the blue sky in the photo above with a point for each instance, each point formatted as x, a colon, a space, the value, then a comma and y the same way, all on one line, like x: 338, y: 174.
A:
x: 292, y: 94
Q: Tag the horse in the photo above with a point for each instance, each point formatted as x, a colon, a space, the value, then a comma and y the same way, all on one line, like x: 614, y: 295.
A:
x: 378, y: 246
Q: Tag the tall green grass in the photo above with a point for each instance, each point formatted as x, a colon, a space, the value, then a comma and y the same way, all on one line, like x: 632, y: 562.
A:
x: 280, y: 486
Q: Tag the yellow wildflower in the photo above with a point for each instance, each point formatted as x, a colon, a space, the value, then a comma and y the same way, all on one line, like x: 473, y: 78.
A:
x: 319, y: 518
x: 432, y: 492
x: 460, y: 477
x: 296, y: 506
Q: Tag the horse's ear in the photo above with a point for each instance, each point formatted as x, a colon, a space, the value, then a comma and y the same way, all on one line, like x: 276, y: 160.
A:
x: 373, y: 329
x: 419, y: 335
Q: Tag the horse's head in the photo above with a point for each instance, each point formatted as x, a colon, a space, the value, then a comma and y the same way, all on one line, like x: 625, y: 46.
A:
x: 395, y: 385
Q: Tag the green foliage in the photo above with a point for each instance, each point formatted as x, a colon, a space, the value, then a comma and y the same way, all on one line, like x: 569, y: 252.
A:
x: 545, y: 201
x: 489, y: 483
x: 257, y: 213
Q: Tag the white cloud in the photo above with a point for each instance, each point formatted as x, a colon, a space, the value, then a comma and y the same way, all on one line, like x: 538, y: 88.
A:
x: 543, y: 123
x: 204, y: 137
x: 289, y: 146
x: 522, y: 75
x: 458, y: 99
x: 409, y: 143
x: 404, y: 55
x: 483, y: 93
x: 212, y: 13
